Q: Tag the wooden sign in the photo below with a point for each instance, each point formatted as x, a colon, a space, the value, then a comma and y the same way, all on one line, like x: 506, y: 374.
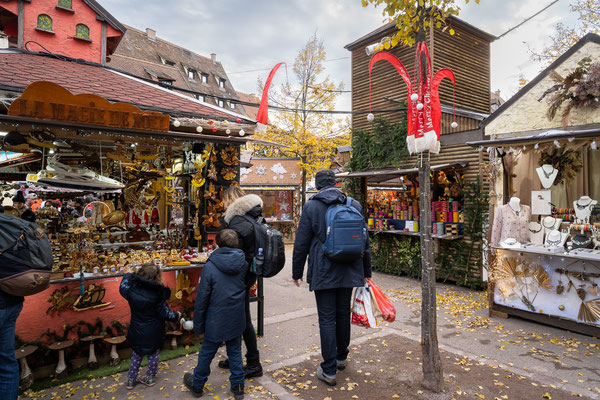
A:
x: 49, y: 101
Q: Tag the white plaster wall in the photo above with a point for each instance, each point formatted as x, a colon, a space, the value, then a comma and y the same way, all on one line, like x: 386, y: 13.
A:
x: 529, y: 114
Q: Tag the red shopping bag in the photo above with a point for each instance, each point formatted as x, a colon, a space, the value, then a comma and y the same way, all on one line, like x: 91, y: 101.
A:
x: 362, y: 312
x: 388, y: 311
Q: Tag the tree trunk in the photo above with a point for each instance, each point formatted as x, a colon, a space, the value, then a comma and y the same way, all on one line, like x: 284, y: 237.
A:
x: 432, y: 364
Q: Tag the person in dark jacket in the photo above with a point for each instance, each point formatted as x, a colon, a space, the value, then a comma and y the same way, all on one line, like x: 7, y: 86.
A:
x: 332, y: 282
x: 10, y: 308
x: 24, y: 211
x: 219, y: 313
x: 239, y: 206
x: 147, y: 298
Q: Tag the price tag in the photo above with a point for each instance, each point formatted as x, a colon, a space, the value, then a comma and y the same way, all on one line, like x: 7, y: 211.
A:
x: 32, y: 178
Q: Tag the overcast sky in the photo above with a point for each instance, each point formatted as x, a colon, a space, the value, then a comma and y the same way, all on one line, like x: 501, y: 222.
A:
x: 255, y: 35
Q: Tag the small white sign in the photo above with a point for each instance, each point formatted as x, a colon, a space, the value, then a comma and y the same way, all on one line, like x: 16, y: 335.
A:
x: 541, y: 202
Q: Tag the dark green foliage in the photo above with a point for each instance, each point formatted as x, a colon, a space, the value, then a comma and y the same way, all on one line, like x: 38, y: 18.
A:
x: 383, y: 146
x: 459, y: 259
x: 396, y: 255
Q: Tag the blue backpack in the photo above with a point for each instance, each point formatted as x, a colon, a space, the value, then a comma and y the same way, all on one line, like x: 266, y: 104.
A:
x: 346, y: 232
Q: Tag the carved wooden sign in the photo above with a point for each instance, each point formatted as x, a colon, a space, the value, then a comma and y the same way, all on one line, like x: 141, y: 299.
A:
x: 47, y: 100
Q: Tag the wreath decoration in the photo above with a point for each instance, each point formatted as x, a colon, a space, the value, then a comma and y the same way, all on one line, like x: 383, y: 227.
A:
x: 568, y: 162
x: 579, y: 89
x: 229, y: 156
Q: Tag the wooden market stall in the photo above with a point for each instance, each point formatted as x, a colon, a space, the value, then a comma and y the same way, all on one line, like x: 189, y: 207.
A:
x: 149, y: 183
x: 277, y: 181
x: 545, y: 227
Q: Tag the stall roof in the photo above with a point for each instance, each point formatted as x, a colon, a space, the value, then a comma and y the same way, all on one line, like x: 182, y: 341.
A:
x: 543, y: 136
x: 382, y: 175
x: 19, y: 69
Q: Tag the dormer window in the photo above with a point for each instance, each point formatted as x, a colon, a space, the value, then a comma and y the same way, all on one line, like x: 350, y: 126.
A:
x: 222, y: 83
x: 168, y: 82
x: 200, y: 97
x: 82, y: 32
x: 44, y: 23
x: 204, y: 78
x: 221, y: 103
x: 232, y: 105
x: 165, y: 61
x: 68, y: 4
x: 192, y: 73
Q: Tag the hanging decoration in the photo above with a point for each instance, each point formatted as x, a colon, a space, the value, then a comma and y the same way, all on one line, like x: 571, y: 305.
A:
x: 424, y: 109
x: 263, y: 110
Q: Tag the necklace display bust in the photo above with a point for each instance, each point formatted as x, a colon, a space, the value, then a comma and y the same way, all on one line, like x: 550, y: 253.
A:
x: 547, y: 174
x: 510, y: 243
x: 515, y: 205
x: 583, y: 207
x: 550, y: 224
x: 536, y: 233
x: 555, y: 239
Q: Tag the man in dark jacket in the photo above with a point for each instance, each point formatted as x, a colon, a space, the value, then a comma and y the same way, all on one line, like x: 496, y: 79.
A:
x: 24, y: 211
x: 331, y: 281
x: 10, y: 308
x: 219, y: 313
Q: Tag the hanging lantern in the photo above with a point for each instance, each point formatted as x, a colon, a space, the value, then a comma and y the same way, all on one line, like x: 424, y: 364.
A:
x: 370, y: 117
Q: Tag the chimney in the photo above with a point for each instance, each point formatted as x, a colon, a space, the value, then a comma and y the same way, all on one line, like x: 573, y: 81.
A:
x: 151, y: 34
x: 213, y: 57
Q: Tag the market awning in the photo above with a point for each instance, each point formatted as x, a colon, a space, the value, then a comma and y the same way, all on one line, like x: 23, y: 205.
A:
x: 540, y: 137
x: 265, y: 187
x: 381, y: 175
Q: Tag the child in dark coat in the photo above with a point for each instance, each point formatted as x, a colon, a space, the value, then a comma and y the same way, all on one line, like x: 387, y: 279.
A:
x: 147, y: 299
x: 219, y: 313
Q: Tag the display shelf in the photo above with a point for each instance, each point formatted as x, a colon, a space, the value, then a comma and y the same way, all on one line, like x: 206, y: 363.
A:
x: 124, y: 244
x: 417, y: 234
x: 574, y: 254
x: 91, y: 277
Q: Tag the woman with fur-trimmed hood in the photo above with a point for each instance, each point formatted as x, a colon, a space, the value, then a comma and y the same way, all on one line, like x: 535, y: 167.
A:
x: 239, y: 206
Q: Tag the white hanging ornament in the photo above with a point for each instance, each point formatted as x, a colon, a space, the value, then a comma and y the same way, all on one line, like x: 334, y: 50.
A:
x: 594, y: 145
x: 370, y: 117
x: 419, y: 106
x: 414, y: 97
x: 454, y: 124
x: 557, y: 144
x: 228, y: 131
x: 242, y: 133
x: 176, y: 123
x: 537, y: 146
x: 199, y: 129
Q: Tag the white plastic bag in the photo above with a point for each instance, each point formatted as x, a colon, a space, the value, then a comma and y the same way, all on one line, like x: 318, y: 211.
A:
x: 362, y: 310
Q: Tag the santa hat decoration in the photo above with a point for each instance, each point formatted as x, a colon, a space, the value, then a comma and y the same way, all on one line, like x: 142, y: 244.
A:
x: 262, y: 116
x: 424, y: 109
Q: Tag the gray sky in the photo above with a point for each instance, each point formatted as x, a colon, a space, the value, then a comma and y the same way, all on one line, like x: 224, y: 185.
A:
x: 254, y: 35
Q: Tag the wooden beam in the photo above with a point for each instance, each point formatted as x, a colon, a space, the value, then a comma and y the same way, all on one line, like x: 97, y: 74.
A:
x: 104, y: 44
x: 20, y: 22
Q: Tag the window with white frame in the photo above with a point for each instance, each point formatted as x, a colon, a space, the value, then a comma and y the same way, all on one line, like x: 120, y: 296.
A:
x: 204, y: 78
x: 222, y: 83
x: 191, y: 73
x: 221, y: 103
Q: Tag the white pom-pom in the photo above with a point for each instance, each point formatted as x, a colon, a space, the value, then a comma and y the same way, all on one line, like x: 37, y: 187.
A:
x: 414, y: 97
x: 176, y: 123
x: 557, y: 144
x: 454, y: 124
x: 199, y: 129
x: 524, y: 147
x: 370, y: 117
x: 594, y: 145
x: 419, y: 106
x: 242, y: 133
x: 228, y: 131
x: 537, y: 146
x: 571, y: 139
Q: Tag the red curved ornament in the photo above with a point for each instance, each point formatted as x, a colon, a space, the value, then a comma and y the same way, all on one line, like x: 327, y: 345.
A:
x: 262, y: 116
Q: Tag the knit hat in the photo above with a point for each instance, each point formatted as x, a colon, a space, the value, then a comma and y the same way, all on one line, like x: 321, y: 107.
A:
x: 324, y: 178
x: 19, y: 198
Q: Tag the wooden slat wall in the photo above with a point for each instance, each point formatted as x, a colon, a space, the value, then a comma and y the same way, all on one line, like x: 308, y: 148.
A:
x: 465, y: 54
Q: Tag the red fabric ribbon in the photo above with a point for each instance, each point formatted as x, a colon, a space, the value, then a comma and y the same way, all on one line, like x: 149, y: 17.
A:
x: 384, y: 55
x: 263, y: 110
x: 436, y: 111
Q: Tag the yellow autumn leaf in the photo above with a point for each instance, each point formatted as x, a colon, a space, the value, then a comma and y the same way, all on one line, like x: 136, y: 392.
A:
x: 546, y: 396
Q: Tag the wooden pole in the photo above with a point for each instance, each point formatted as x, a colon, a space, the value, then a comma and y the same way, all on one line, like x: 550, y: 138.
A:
x: 432, y: 364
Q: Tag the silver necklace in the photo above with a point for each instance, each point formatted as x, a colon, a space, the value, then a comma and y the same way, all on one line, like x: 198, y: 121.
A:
x: 554, y: 242
x: 516, y: 212
x: 546, y: 174
x: 584, y: 242
x: 551, y: 225
x: 534, y: 231
x: 583, y: 207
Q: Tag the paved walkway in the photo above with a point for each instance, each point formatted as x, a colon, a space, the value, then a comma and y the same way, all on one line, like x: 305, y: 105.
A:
x: 545, y: 355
